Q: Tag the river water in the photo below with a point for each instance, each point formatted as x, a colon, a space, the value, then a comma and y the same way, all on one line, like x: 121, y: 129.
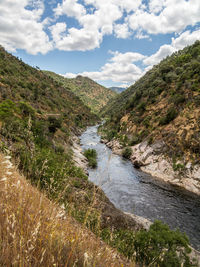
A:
x: 135, y: 192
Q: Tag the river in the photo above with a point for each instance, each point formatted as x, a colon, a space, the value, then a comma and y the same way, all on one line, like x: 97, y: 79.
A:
x: 136, y: 192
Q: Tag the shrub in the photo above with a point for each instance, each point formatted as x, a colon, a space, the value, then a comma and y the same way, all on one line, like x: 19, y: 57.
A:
x: 91, y: 156
x: 161, y: 246
x: 177, y: 99
x: 26, y: 109
x: 171, y: 115
x: 54, y: 124
x: 7, y: 109
x: 127, y: 152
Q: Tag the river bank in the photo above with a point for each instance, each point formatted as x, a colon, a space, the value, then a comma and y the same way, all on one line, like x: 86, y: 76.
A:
x: 130, y: 220
x: 150, y: 159
x: 134, y: 192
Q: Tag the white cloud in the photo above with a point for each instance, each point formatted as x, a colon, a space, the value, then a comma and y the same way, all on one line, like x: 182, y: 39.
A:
x: 57, y: 30
x: 126, y: 58
x: 164, y: 51
x: 120, y: 68
x: 184, y: 39
x: 22, y: 28
x: 156, y: 6
x: 93, y: 26
x: 69, y: 75
x: 175, y: 15
x: 122, y: 31
x: 70, y: 8
x: 76, y: 39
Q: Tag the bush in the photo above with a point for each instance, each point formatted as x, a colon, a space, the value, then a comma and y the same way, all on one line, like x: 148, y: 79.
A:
x: 54, y: 124
x: 171, y: 115
x: 161, y: 246
x: 127, y: 152
x: 7, y: 109
x: 91, y: 156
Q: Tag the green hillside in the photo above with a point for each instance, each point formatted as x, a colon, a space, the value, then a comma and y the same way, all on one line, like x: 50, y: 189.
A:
x: 163, y: 105
x: 38, y: 121
x: 91, y: 93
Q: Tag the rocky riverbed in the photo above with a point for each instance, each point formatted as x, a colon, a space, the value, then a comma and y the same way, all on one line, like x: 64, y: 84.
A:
x: 151, y: 159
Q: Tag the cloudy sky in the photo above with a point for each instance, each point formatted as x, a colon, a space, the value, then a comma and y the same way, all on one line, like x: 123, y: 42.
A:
x: 111, y: 41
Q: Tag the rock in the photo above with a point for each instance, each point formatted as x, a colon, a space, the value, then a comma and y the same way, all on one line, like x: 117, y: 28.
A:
x: 78, y: 157
x: 145, y: 223
x: 137, y: 163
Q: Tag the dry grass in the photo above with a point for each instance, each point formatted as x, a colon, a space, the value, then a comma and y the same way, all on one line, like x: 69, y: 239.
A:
x: 36, y: 232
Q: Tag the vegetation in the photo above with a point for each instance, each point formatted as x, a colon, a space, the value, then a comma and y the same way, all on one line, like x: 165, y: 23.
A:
x: 37, y: 119
x: 163, y: 104
x: 91, y: 156
x: 91, y: 93
x: 36, y: 232
x: 160, y: 246
x: 127, y: 152
x: 21, y: 83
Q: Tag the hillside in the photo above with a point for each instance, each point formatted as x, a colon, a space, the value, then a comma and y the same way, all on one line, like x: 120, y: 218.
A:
x: 20, y: 82
x: 39, y: 121
x: 37, y: 232
x: 91, y: 93
x: 163, y: 110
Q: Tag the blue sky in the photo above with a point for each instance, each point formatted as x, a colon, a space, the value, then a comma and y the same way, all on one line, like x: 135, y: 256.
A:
x: 113, y: 42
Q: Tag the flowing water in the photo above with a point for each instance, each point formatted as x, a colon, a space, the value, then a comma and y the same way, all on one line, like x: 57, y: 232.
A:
x: 136, y: 192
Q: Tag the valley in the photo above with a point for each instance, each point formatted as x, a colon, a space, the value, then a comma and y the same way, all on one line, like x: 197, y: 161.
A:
x: 154, y: 125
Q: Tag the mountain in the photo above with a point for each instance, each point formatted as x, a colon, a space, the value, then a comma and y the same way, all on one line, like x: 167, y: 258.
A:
x: 20, y: 82
x: 117, y: 89
x: 39, y: 124
x: 163, y: 108
x: 91, y: 93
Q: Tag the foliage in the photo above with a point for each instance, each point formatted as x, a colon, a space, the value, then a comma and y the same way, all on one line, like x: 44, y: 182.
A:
x: 32, y: 89
x: 91, y: 93
x: 91, y: 156
x: 171, y: 115
x: 169, y: 90
x: 127, y: 152
x: 160, y: 246
x: 54, y: 124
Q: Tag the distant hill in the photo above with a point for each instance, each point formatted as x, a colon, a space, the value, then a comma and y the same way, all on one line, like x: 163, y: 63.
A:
x: 20, y: 82
x: 91, y: 93
x: 163, y: 105
x: 118, y: 90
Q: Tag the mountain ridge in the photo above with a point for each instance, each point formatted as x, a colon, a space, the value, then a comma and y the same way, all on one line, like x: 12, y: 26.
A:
x: 93, y: 95
x: 163, y: 106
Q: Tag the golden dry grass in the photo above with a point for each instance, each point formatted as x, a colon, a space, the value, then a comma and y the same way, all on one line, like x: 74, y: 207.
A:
x: 36, y: 232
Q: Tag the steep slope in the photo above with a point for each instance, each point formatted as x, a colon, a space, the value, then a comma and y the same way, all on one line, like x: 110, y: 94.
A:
x: 37, y: 232
x: 20, y: 82
x: 91, y: 93
x: 163, y: 109
x: 38, y: 123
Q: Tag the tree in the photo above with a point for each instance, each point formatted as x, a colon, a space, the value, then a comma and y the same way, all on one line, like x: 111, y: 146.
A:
x: 162, y: 247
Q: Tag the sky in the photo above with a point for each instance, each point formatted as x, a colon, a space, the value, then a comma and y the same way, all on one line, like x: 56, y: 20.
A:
x: 114, y: 42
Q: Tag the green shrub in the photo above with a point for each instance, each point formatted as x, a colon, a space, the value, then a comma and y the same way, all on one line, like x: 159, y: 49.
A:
x: 127, y: 152
x: 7, y: 109
x: 54, y: 124
x: 26, y: 109
x: 161, y: 246
x: 171, y: 115
x: 91, y: 156
x: 177, y: 99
